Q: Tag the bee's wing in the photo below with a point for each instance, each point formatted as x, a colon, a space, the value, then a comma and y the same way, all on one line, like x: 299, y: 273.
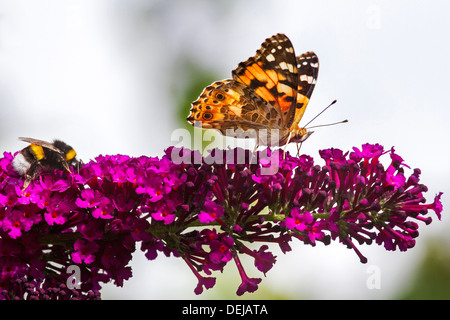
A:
x: 41, y: 143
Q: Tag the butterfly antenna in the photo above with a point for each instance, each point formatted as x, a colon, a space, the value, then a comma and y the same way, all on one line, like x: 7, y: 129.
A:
x: 329, y: 124
x: 320, y: 113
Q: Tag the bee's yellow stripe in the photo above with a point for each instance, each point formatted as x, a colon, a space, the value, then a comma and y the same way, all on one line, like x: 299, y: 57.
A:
x: 70, y: 155
x: 38, y: 151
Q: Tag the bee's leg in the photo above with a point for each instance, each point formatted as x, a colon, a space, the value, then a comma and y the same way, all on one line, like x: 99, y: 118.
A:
x: 66, y: 167
x: 26, y: 183
x: 79, y: 165
x: 30, y: 175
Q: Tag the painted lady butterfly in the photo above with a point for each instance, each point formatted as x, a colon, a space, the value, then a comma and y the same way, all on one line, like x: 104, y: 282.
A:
x: 268, y: 94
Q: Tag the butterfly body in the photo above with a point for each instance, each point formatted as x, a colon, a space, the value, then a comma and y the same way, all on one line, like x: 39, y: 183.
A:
x: 265, y: 99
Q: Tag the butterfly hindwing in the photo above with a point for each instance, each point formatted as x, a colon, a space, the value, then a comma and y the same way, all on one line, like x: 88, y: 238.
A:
x: 228, y: 105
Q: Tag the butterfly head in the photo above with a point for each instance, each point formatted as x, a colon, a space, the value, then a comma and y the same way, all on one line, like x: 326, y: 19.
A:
x: 299, y: 135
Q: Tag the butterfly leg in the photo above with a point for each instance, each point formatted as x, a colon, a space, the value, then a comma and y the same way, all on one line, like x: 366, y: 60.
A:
x: 254, y: 151
x: 299, y: 145
x: 285, y: 146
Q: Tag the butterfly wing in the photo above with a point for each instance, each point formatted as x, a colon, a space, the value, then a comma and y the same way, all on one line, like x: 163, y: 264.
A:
x: 268, y: 91
x: 228, y: 105
x: 272, y: 75
x: 308, y: 70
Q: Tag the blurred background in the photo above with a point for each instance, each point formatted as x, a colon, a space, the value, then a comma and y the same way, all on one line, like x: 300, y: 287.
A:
x: 112, y: 76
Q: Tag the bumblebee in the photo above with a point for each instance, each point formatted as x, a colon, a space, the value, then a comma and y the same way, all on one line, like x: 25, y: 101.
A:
x: 43, y: 155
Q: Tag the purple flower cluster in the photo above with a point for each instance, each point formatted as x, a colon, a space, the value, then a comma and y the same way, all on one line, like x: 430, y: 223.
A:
x: 206, y: 210
x: 28, y: 289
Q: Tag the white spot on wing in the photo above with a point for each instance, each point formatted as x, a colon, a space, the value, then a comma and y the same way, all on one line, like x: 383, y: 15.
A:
x: 307, y: 78
x: 270, y: 57
x: 290, y: 49
x: 287, y: 66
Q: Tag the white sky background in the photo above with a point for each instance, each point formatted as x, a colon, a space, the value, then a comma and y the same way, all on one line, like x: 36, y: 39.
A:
x: 99, y: 74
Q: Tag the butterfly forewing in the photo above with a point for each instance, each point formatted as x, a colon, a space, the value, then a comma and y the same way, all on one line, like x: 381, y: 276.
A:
x: 272, y: 74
